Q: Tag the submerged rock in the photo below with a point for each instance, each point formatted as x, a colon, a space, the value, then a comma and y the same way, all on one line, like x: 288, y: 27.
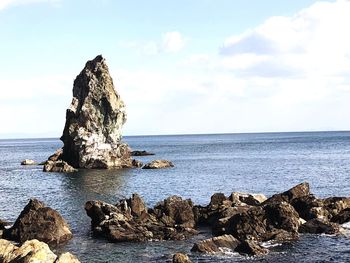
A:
x: 158, y: 164
x: 28, y: 162
x: 251, y: 247
x: 141, y: 153
x: 32, y: 251
x: 92, y: 133
x: 37, y: 221
x: 58, y: 167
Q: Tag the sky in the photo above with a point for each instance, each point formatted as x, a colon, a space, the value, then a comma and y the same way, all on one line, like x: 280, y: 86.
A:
x: 181, y: 67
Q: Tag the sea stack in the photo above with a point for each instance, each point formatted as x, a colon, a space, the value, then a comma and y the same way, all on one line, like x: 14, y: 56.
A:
x: 92, y: 133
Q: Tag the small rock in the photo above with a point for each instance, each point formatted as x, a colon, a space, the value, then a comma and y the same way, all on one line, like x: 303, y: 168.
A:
x: 319, y: 226
x: 56, y: 156
x: 3, y: 224
x: 247, y: 199
x: 28, y: 162
x: 67, y: 258
x: 136, y: 163
x: 181, y: 258
x: 216, y: 244
x: 251, y: 247
x: 58, y: 167
x: 37, y: 221
x: 158, y: 164
x: 297, y: 191
x: 140, y: 153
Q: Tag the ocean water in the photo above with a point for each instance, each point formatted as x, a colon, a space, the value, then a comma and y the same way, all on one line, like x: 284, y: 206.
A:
x: 265, y: 163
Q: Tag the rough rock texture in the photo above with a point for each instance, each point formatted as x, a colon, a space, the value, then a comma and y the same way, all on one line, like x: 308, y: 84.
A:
x: 342, y: 217
x: 251, y: 247
x: 92, y: 133
x: 130, y: 220
x: 28, y: 162
x: 58, y: 167
x: 319, y: 226
x: 216, y: 244
x: 31, y: 251
x: 37, y: 221
x: 141, y: 153
x: 158, y: 164
x: 136, y: 163
x: 181, y: 258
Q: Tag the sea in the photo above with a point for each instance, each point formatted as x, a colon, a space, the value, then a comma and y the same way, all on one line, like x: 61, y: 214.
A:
x: 265, y: 163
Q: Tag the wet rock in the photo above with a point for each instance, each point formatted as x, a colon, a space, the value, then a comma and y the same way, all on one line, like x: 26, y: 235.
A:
x: 158, y: 164
x: 28, y: 162
x: 216, y: 244
x: 181, y: 258
x: 342, y: 217
x: 37, y: 221
x: 335, y: 205
x: 92, y: 133
x: 319, y: 226
x: 251, y: 247
x: 136, y: 163
x: 58, y: 167
x: 309, y: 207
x: 3, y: 224
x: 32, y: 251
x: 141, y: 153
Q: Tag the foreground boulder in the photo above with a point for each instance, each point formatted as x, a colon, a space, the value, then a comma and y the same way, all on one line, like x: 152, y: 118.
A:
x: 131, y: 220
x: 251, y: 247
x: 32, y: 251
x: 92, y: 133
x: 158, y: 164
x: 58, y: 167
x: 37, y: 221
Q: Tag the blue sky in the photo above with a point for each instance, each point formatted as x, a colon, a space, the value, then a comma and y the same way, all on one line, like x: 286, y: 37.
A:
x: 185, y: 66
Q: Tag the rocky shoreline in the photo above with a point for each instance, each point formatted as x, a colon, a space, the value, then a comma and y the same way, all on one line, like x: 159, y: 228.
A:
x: 239, y: 223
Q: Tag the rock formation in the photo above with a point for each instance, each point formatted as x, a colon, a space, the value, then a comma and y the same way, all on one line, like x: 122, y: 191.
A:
x: 240, y: 222
x: 158, y: 164
x: 92, y: 133
x: 37, y: 221
x: 32, y: 251
x: 181, y: 258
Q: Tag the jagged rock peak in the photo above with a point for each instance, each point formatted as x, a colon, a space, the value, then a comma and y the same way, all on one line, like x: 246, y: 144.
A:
x: 92, y: 133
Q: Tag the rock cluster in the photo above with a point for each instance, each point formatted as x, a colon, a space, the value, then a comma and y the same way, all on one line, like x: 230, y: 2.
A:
x: 239, y: 222
x: 141, y: 153
x: 32, y: 251
x: 158, y: 164
x: 37, y: 221
x: 131, y: 220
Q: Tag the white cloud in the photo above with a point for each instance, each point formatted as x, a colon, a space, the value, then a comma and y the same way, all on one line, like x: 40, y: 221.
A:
x: 8, y: 3
x: 172, y: 42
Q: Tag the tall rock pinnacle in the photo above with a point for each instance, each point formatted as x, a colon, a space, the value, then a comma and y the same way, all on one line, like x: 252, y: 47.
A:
x: 92, y: 133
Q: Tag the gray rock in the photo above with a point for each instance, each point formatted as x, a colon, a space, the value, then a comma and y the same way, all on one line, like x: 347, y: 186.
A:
x: 28, y: 162
x: 158, y: 164
x: 92, y: 133
x: 141, y: 153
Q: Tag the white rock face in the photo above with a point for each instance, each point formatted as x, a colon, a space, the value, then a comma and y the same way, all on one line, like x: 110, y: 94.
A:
x: 92, y: 133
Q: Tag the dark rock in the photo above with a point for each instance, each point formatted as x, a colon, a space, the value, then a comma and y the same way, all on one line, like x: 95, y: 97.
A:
x: 3, y: 224
x: 130, y: 220
x: 297, y: 191
x: 181, y: 258
x: 140, y: 153
x: 251, y: 247
x: 342, y: 217
x: 319, y: 226
x: 56, y: 156
x: 309, y: 207
x: 216, y: 244
x: 37, y: 221
x: 28, y: 162
x: 158, y: 164
x: 247, y: 199
x: 282, y: 216
x: 92, y: 133
x: 136, y: 163
x: 335, y: 205
x: 58, y: 167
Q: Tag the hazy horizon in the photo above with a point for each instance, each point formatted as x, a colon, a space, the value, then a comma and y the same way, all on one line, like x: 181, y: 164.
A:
x: 181, y: 68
